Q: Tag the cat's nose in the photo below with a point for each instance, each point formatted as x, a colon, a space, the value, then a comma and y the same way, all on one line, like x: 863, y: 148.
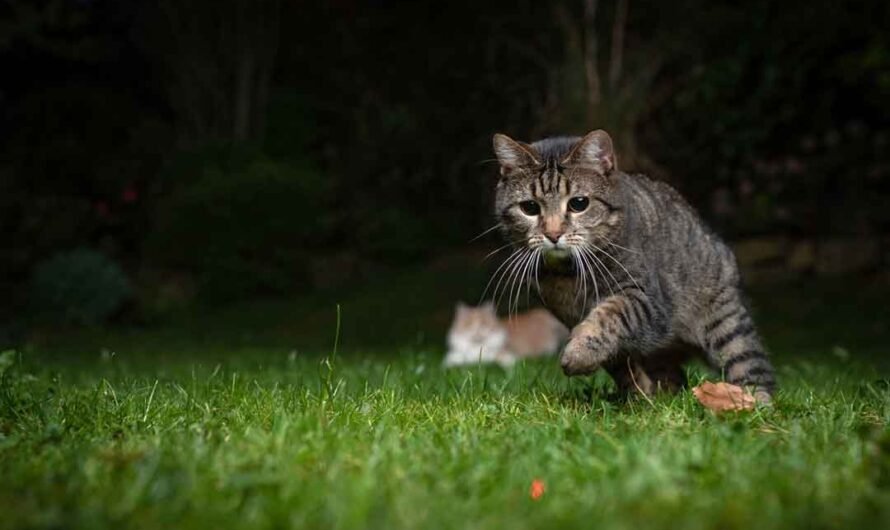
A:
x: 553, y: 228
x: 553, y: 235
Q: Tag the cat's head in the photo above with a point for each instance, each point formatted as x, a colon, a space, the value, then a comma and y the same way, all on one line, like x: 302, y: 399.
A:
x: 476, y: 335
x: 558, y: 194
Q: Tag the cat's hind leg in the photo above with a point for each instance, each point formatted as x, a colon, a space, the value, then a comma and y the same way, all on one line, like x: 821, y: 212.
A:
x: 733, y: 346
x: 659, y: 371
x: 665, y: 366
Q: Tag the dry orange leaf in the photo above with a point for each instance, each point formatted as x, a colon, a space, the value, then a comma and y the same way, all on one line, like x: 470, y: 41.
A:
x: 721, y: 397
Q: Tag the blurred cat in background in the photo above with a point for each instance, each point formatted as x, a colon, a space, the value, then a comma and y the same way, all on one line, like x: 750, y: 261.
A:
x: 477, y: 335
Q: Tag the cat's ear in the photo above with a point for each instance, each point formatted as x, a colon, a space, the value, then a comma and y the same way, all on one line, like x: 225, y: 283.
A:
x: 594, y: 151
x: 488, y: 306
x: 460, y: 307
x: 512, y: 154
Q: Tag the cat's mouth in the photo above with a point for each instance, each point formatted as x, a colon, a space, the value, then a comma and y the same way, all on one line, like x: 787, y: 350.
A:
x: 555, y: 256
x: 556, y: 253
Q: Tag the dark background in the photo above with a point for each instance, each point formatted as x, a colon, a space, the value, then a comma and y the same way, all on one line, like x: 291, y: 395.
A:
x: 161, y: 155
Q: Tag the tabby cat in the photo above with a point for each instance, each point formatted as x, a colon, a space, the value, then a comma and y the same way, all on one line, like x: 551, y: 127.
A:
x: 627, y: 264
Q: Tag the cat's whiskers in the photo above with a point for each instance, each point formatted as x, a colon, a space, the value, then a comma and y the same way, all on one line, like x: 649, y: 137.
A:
x: 587, y: 273
x: 487, y: 230
x: 524, y: 279
x: 511, y: 283
x: 498, y: 270
x: 533, y: 273
x: 611, y: 257
x: 506, y: 275
x: 520, y: 279
x: 582, y: 252
x: 509, y: 273
x: 579, y: 277
x: 596, y: 262
x: 516, y: 289
x: 500, y: 248
x: 600, y: 267
x: 616, y: 245
x: 576, y: 242
x: 581, y: 269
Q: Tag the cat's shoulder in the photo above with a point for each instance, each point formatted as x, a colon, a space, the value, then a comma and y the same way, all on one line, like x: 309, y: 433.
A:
x: 655, y: 187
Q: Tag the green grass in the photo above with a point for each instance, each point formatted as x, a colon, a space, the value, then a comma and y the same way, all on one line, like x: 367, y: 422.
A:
x: 228, y: 421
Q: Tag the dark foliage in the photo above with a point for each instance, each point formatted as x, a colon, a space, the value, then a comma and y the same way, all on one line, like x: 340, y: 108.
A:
x: 240, y: 142
x: 241, y: 224
x: 78, y: 287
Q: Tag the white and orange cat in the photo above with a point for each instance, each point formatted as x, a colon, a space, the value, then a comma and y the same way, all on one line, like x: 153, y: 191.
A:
x: 477, y: 335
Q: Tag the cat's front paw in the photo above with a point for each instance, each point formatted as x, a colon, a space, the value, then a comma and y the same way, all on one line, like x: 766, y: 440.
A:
x: 584, y: 352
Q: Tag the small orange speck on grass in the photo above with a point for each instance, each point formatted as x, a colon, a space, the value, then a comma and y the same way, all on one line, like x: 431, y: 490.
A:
x: 537, y: 489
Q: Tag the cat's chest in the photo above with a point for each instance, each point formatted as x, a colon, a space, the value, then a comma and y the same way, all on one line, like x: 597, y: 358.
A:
x: 564, y: 298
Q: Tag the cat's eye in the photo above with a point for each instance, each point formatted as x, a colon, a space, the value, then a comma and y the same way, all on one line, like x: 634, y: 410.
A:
x: 578, y: 204
x: 530, y: 208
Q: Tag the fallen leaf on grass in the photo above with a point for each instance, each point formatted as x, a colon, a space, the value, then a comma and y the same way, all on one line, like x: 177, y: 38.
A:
x: 721, y: 397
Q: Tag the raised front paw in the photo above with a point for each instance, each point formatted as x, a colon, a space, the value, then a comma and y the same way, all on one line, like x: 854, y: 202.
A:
x: 584, y: 352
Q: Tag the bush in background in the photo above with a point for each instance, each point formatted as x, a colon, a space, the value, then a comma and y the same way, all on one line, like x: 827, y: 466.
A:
x: 78, y: 287
x: 242, y: 224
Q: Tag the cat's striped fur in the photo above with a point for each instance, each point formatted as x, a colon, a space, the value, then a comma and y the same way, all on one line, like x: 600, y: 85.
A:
x: 636, y: 274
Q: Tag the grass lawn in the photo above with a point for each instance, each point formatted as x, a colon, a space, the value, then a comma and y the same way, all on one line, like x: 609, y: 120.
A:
x: 243, y: 419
